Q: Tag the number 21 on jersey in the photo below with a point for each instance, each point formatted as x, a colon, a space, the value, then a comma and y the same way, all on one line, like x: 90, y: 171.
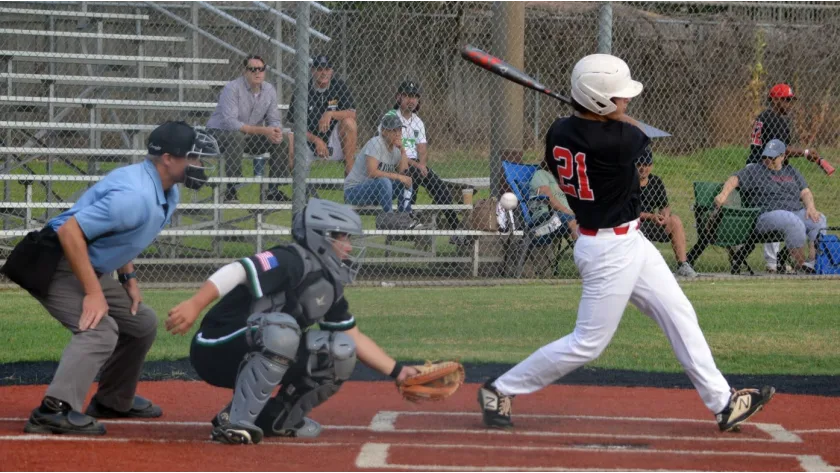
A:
x: 566, y: 168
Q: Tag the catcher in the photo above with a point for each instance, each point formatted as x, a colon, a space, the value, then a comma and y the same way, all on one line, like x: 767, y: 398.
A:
x: 259, y: 335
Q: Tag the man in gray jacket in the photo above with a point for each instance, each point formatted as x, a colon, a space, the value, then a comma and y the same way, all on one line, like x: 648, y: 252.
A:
x: 247, y: 119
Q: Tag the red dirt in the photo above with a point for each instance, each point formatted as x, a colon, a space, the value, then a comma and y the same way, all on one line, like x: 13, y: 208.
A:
x: 561, y: 427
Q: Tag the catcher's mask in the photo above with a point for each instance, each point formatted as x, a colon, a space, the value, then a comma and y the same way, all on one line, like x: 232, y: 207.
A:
x: 328, y: 229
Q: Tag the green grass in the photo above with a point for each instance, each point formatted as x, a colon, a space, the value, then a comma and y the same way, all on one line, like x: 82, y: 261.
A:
x: 753, y: 327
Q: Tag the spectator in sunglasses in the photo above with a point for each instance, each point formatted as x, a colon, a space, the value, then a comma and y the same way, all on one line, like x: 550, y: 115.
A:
x: 247, y: 120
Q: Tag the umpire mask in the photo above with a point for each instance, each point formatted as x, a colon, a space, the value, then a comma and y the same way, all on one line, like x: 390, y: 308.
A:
x: 204, y: 145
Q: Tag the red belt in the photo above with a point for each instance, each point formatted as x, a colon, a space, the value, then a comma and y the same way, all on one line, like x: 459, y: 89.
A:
x: 622, y: 230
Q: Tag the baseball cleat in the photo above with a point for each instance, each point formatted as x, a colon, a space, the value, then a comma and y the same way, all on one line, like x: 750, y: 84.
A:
x: 237, y: 434
x: 305, y: 429
x: 234, y: 434
x: 495, y: 406
x: 743, y: 404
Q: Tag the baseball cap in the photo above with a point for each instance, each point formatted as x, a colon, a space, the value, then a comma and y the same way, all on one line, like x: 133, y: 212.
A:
x: 409, y: 87
x: 391, y: 122
x: 181, y: 140
x: 646, y: 158
x: 781, y: 91
x: 773, y: 149
x: 321, y: 62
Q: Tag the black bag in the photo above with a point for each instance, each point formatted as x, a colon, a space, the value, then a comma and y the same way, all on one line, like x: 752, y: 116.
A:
x: 34, y: 260
x: 394, y: 221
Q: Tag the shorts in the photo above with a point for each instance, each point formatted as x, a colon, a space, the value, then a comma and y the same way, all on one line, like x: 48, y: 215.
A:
x: 654, y: 232
x: 334, y: 145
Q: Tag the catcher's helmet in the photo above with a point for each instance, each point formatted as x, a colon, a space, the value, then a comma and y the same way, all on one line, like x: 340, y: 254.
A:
x: 314, y: 227
x: 781, y: 91
x: 599, y: 77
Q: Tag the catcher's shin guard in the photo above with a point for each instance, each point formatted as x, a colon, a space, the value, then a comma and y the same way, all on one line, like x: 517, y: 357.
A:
x: 275, y: 337
x: 331, y: 361
x: 495, y: 406
x: 743, y: 404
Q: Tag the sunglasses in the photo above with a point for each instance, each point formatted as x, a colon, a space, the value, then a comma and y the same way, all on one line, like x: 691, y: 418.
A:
x: 255, y: 69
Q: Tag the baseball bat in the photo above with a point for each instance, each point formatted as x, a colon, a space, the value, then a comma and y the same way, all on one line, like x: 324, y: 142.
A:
x: 505, y: 70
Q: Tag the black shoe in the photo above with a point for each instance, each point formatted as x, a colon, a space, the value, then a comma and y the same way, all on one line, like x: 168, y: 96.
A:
x: 231, y: 197
x: 495, y: 407
x: 142, y: 408
x: 743, y: 404
x: 277, y: 195
x: 54, y: 416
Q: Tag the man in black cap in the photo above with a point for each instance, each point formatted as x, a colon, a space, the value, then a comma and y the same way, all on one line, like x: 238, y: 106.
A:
x: 103, y: 232
x: 658, y: 223
x: 331, y: 119
x: 416, y: 149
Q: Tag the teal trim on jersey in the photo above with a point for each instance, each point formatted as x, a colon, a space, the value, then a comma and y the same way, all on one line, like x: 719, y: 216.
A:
x: 253, y: 277
x: 340, y: 326
x: 209, y: 342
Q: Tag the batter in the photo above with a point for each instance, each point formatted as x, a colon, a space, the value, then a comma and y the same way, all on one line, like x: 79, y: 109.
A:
x: 592, y: 155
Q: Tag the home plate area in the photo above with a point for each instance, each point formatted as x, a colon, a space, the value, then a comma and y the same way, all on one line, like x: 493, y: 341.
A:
x: 368, y: 427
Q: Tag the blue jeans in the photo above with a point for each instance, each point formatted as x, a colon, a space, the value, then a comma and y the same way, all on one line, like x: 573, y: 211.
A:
x: 380, y: 191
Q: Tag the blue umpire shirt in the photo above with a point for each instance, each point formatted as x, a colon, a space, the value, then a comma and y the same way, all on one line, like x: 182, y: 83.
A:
x: 122, y: 214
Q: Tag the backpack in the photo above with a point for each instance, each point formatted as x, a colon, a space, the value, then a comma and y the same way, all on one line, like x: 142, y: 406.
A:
x: 483, y: 216
x: 828, y: 254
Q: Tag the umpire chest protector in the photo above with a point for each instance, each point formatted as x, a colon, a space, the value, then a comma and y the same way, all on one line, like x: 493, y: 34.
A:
x: 310, y: 301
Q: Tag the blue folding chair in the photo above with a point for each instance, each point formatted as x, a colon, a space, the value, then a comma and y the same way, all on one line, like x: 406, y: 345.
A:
x: 518, y: 178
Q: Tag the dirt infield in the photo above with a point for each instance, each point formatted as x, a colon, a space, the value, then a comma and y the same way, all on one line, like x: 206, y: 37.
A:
x: 368, y: 427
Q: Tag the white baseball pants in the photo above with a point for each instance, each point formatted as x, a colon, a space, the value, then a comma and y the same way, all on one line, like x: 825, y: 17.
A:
x: 617, y: 269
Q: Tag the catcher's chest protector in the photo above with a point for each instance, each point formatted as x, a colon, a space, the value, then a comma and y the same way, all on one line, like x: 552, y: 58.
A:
x: 310, y: 301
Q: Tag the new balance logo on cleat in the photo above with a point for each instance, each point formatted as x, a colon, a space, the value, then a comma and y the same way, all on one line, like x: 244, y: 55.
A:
x: 491, y: 403
x: 743, y: 404
x: 495, y: 407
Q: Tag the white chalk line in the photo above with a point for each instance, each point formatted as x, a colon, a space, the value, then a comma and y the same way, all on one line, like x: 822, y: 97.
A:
x: 385, y: 421
x: 375, y: 456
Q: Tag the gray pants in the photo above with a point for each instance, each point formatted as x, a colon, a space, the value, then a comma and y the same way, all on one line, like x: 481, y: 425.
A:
x: 233, y: 144
x: 118, y: 345
x: 795, y: 225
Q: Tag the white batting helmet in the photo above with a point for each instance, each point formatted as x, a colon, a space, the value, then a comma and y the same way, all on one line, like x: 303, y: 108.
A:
x: 599, y: 77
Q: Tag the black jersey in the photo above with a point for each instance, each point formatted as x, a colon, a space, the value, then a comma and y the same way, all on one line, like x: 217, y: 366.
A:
x: 770, y: 126
x: 654, y: 197
x: 278, y: 270
x: 336, y: 97
x: 594, y: 163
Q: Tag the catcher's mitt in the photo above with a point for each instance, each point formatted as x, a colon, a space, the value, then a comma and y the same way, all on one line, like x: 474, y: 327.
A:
x: 434, y: 382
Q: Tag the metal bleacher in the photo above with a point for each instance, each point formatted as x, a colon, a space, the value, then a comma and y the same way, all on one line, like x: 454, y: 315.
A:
x: 79, y: 95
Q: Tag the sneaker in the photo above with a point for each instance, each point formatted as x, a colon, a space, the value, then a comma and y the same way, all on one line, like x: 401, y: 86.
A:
x: 806, y: 268
x: 685, y: 270
x: 415, y: 225
x: 743, y: 404
x: 141, y: 408
x: 277, y: 195
x: 495, y: 406
x: 55, y: 416
x: 231, y: 197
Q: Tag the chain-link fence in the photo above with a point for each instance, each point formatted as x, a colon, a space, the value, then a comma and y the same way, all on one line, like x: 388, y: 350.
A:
x: 83, y: 84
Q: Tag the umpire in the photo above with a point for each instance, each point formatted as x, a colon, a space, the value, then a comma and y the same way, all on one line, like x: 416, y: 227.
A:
x: 112, y: 329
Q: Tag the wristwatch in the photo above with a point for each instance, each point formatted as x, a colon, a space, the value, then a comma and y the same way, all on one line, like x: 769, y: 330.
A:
x: 123, y: 278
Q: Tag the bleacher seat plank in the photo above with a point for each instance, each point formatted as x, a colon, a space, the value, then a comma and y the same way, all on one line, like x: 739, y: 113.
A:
x: 111, y: 81
x: 75, y: 34
x: 73, y: 14
x: 105, y: 58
